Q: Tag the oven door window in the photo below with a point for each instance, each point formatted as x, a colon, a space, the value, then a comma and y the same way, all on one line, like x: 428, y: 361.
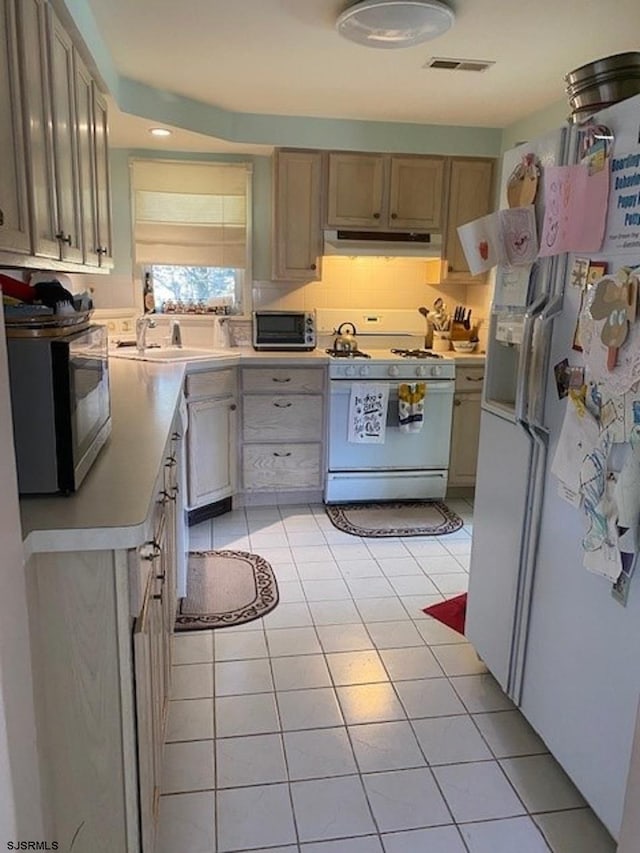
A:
x: 280, y: 328
x: 88, y: 388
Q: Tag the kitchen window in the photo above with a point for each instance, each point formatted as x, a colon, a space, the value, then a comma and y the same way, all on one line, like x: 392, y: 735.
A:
x: 192, y: 226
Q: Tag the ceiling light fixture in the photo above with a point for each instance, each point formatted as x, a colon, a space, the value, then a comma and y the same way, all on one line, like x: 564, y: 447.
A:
x: 159, y: 131
x: 394, y: 23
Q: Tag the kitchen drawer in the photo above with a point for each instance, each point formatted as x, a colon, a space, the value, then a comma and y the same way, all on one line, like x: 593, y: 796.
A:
x: 211, y: 383
x: 469, y: 377
x: 283, y: 416
x: 289, y: 380
x: 281, y: 466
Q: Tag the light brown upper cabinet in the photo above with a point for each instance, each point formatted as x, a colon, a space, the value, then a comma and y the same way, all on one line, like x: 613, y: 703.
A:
x: 104, y: 237
x: 93, y: 168
x: 63, y: 123
x: 14, y: 217
x: 297, y: 237
x: 55, y: 137
x: 384, y: 192
x: 32, y: 46
x: 471, y: 188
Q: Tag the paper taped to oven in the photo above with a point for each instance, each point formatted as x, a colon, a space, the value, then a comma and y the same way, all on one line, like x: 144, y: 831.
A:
x: 368, y: 405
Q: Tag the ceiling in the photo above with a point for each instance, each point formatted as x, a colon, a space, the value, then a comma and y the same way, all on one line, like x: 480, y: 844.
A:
x: 284, y: 57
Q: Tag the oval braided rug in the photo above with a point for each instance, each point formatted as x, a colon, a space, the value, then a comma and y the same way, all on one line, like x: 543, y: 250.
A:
x: 400, y: 518
x: 226, y: 588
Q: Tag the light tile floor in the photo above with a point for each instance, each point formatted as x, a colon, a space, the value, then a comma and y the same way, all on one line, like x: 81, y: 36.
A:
x: 347, y: 721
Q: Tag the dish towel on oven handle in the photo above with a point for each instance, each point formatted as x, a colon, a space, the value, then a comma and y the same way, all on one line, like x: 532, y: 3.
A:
x: 368, y: 406
x: 411, y: 406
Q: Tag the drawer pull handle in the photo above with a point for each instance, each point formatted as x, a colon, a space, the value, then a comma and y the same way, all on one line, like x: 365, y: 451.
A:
x: 474, y: 378
x: 288, y: 453
x: 283, y: 405
x: 457, y: 402
x: 278, y: 379
x: 175, y: 436
x: 153, y: 553
x: 232, y: 407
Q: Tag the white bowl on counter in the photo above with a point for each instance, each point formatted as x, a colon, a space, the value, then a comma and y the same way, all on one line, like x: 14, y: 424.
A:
x: 464, y: 346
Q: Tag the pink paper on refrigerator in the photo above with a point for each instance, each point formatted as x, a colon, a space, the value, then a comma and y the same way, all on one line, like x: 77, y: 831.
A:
x: 575, y: 210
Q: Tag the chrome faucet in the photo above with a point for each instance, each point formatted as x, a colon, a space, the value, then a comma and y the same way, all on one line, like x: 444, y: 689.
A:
x: 142, y: 324
x: 176, y: 334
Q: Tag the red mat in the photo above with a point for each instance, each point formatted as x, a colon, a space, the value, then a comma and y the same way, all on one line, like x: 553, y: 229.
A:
x: 450, y: 612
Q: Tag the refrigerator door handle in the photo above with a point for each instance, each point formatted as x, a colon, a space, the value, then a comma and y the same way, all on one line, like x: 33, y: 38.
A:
x: 540, y: 346
x: 526, y: 355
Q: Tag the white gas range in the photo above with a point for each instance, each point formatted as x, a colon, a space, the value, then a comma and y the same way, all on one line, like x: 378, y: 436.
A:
x: 406, y: 465
x: 395, y: 363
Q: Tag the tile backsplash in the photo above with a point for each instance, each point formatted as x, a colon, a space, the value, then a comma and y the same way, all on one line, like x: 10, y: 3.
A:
x: 347, y: 283
x: 365, y: 283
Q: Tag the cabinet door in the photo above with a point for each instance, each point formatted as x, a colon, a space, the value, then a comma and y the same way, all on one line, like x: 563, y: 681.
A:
x: 14, y: 218
x: 103, y: 178
x: 465, y: 434
x: 356, y: 191
x: 40, y: 175
x: 86, y: 161
x: 64, y: 140
x: 211, y: 441
x: 470, y: 197
x: 416, y: 193
x: 297, y: 243
x: 148, y: 785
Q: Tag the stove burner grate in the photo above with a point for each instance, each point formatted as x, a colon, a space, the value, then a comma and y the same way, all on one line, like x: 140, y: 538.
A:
x: 415, y: 353
x: 338, y: 353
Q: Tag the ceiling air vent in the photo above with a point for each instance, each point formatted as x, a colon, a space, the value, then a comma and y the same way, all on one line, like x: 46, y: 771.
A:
x: 457, y: 64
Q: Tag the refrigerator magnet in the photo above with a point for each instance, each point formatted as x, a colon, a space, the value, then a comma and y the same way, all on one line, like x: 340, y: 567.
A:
x: 616, y: 305
x: 596, y: 271
x: 580, y: 272
x: 562, y: 375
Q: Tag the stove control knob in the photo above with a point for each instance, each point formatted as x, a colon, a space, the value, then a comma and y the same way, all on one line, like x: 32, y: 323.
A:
x: 421, y: 370
x: 394, y: 370
x: 350, y: 371
x: 436, y: 371
x: 365, y: 371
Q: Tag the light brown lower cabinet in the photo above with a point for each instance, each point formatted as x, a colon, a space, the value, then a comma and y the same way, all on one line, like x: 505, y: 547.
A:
x: 101, y: 623
x: 465, y: 427
x: 283, y: 424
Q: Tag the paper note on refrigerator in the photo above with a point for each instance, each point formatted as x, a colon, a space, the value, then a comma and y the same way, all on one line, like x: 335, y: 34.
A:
x: 505, y: 237
x: 578, y: 437
x: 575, y: 210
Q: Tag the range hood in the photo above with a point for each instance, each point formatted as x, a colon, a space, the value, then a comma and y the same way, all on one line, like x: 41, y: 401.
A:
x: 398, y: 244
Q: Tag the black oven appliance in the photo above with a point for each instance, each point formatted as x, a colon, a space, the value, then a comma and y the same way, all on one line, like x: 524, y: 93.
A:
x: 61, y: 407
x: 284, y: 330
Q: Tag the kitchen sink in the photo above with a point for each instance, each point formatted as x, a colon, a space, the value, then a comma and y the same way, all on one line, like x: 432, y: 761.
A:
x: 167, y: 355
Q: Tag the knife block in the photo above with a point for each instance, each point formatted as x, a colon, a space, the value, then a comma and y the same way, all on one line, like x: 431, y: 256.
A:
x: 459, y: 333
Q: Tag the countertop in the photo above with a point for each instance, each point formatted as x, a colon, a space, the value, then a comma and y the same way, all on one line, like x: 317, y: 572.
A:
x: 111, y: 508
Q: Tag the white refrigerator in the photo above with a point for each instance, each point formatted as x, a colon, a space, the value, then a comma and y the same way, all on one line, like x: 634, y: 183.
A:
x: 552, y: 633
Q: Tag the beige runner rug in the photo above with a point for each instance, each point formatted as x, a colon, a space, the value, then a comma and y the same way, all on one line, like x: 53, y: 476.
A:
x: 402, y: 518
x: 226, y: 588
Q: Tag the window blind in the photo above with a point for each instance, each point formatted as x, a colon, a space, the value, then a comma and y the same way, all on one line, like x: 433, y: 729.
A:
x: 192, y: 214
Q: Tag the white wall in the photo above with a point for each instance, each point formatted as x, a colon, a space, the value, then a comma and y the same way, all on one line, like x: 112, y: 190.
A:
x: 20, y: 796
